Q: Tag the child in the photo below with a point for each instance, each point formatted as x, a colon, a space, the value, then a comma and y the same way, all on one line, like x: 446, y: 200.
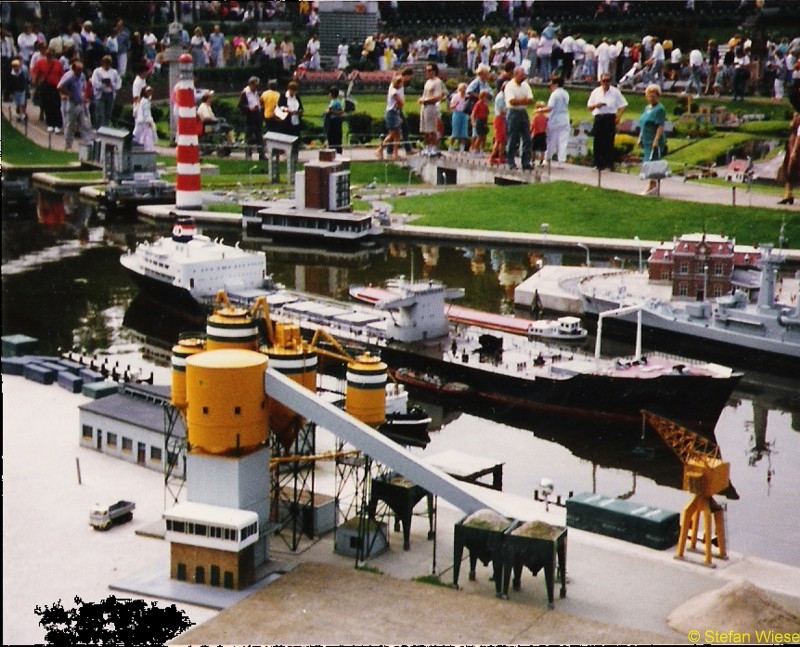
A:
x: 539, y: 133
x: 498, y: 154
x: 333, y: 120
x: 459, y: 135
x: 19, y: 84
x: 480, y: 123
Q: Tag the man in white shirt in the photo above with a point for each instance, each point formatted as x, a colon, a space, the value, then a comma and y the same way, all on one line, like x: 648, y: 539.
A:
x: 696, y: 67
x: 485, y: 44
x: 433, y: 92
x: 568, y: 60
x: 518, y: 96
x: 607, y: 105
x: 603, y: 58
x: 656, y: 63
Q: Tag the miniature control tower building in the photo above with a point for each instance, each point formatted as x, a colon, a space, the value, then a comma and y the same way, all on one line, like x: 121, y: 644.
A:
x: 218, y: 536
x: 324, y: 183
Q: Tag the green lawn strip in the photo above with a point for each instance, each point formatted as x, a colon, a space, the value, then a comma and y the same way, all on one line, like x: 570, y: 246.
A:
x: 579, y: 210
x: 224, y: 207
x: 233, y: 172
x: 19, y: 150
x: 705, y: 151
x: 82, y: 176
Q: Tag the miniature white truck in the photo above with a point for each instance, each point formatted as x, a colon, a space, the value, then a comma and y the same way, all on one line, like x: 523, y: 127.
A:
x: 102, y: 518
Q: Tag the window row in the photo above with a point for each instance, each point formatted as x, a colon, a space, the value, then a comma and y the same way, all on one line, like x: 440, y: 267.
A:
x: 213, y: 531
x: 113, y: 441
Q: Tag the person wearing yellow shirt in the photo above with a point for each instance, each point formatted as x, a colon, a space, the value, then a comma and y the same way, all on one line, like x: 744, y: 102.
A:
x: 269, y: 101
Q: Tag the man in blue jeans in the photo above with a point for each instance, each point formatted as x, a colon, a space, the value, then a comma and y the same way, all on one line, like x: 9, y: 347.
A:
x: 519, y: 96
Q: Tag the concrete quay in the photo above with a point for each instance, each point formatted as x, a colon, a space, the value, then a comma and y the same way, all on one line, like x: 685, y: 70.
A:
x: 616, y: 592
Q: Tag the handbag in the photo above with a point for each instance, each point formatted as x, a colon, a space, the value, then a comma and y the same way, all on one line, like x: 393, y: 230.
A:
x: 655, y: 170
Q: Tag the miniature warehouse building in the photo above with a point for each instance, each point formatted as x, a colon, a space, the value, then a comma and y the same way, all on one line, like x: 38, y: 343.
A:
x: 129, y: 425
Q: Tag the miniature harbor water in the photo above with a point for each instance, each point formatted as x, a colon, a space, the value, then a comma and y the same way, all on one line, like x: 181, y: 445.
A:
x: 82, y: 298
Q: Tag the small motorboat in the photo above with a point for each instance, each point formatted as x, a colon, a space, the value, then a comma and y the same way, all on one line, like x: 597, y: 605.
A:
x: 567, y: 329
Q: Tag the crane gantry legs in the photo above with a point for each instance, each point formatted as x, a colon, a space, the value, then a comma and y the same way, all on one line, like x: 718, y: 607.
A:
x: 708, y: 508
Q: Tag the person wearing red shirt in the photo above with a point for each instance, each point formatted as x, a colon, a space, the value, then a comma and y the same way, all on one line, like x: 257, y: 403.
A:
x: 46, y: 74
x: 480, y: 123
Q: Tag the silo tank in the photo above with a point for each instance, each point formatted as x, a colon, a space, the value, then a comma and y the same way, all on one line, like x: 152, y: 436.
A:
x: 185, y: 348
x: 295, y: 359
x: 366, y: 389
x: 231, y: 327
x: 228, y: 409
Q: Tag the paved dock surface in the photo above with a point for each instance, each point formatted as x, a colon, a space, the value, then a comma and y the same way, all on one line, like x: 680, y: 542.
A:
x: 617, y: 592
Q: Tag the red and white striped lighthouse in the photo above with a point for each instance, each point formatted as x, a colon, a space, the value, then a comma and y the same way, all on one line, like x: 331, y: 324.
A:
x: 187, y: 186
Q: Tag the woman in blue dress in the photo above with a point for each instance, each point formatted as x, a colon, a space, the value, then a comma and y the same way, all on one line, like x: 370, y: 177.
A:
x: 651, y: 131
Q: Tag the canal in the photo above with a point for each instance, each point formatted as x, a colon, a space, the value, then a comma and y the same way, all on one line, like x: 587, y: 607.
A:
x: 63, y: 284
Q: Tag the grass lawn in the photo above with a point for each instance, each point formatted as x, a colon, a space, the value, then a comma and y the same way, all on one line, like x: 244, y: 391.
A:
x: 235, y: 171
x: 19, y: 150
x: 576, y: 209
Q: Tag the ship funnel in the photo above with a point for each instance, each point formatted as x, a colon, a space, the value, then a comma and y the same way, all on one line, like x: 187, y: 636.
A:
x: 183, y: 230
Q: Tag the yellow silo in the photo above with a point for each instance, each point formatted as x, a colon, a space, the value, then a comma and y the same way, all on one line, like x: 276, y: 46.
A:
x: 188, y: 344
x: 231, y: 327
x: 366, y: 389
x: 227, y: 406
x: 294, y: 358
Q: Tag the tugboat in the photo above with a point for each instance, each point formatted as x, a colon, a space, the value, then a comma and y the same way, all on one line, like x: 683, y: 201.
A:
x: 405, y: 425
x: 187, y: 268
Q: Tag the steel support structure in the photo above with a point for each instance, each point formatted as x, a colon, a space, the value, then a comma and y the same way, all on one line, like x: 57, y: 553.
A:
x: 174, y: 452
x: 293, y: 481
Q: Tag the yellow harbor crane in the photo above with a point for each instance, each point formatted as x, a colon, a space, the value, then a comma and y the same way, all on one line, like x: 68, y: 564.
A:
x: 704, y: 475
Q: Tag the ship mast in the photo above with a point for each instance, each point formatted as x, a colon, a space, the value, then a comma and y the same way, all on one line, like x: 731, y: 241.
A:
x: 619, y: 312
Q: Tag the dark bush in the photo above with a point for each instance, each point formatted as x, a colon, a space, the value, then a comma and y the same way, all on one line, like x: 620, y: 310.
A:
x: 361, y: 127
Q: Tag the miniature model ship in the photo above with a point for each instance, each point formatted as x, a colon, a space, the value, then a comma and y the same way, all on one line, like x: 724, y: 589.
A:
x: 409, y: 329
x: 188, y: 268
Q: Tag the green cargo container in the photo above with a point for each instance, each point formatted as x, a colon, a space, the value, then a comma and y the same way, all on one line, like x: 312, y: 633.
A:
x: 628, y: 520
x: 97, y: 390
x: 18, y: 345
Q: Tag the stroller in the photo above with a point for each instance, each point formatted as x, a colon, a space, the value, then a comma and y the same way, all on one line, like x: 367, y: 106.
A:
x: 216, y: 137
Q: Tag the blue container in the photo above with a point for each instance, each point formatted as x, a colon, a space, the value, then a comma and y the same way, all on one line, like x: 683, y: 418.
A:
x: 39, y: 373
x: 70, y: 382
x: 89, y: 375
x: 637, y: 523
x: 73, y: 367
x: 14, y: 365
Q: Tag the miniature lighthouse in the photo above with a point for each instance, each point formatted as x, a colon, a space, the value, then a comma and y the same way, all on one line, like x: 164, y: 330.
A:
x: 187, y: 194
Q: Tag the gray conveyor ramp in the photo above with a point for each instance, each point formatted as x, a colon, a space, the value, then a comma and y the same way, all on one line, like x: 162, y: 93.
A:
x: 465, y: 496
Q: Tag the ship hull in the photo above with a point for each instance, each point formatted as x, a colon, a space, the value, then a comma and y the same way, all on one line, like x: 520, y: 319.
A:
x: 696, y: 401
x: 175, y: 297
x: 733, y: 344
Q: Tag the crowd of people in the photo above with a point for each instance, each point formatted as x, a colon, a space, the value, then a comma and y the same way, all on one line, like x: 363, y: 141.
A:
x: 76, y: 74
x: 715, y: 69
